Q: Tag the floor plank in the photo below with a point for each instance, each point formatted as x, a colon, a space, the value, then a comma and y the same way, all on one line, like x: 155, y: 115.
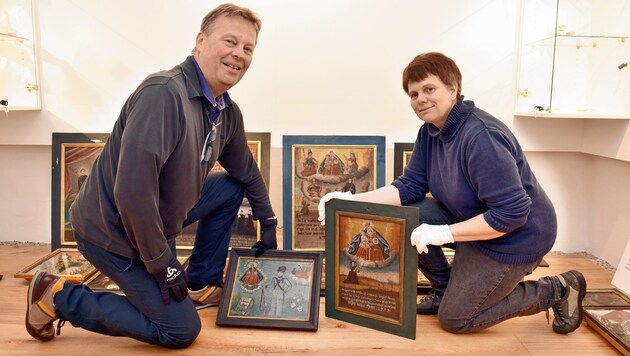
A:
x: 521, y: 336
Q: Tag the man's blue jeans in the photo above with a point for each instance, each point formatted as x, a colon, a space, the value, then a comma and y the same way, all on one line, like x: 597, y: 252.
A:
x: 480, y: 292
x: 140, y: 313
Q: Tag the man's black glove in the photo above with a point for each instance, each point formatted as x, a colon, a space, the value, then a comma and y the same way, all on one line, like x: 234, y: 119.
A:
x: 267, y: 236
x: 172, y: 280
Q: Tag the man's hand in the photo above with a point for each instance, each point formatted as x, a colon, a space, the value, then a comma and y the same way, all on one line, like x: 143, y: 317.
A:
x: 267, y: 236
x: 326, y: 198
x: 426, y: 234
x: 172, y: 282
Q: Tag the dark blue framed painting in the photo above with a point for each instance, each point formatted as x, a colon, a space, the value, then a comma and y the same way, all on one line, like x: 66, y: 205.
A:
x: 316, y: 165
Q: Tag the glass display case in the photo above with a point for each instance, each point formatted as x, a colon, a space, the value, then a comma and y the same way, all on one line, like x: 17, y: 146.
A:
x: 19, y: 84
x: 573, y: 59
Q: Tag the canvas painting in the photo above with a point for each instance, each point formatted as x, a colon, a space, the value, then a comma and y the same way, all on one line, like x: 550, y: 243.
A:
x: 278, y: 290
x: 371, y: 275
x: 73, y: 155
x: 316, y: 165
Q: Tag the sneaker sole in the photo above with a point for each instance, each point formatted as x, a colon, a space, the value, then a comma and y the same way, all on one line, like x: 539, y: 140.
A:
x: 29, y: 301
x: 581, y: 294
x: 204, y: 306
x: 582, y: 282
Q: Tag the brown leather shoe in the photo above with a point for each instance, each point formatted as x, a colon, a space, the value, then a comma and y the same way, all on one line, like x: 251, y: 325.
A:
x: 208, y: 296
x: 40, y: 307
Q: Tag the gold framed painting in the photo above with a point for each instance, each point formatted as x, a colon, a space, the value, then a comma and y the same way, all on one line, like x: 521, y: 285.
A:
x: 371, y: 269
x: 64, y: 262
x: 73, y: 155
x: 607, y: 311
x: 279, y: 290
x: 316, y: 165
x: 402, y: 154
x: 245, y: 231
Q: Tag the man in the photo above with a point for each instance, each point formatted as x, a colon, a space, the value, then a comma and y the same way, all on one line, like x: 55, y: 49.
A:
x: 149, y: 182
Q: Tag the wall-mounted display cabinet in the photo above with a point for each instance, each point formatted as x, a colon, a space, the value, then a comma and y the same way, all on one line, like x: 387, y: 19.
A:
x: 574, y: 59
x: 19, y: 83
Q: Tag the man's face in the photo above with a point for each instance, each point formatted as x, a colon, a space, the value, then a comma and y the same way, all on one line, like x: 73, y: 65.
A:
x: 225, y: 52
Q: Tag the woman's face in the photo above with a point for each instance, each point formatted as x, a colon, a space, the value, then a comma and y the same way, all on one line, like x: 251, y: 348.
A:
x: 432, y: 100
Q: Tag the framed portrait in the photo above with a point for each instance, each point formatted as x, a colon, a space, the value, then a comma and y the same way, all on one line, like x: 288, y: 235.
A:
x: 607, y: 311
x: 316, y: 165
x: 68, y: 263
x: 245, y: 231
x: 402, y: 153
x: 279, y: 290
x: 371, y: 269
x: 73, y: 155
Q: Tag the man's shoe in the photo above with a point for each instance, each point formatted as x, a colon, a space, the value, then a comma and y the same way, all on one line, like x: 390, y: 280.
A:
x: 568, y: 311
x: 208, y: 296
x: 40, y: 307
x: 430, y: 304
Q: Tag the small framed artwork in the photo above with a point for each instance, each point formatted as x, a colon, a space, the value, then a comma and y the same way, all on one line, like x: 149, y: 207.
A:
x: 402, y: 153
x: 279, y: 290
x: 371, y: 267
x: 606, y: 298
x: 245, y: 231
x: 607, y: 311
x: 99, y: 282
x: 65, y: 262
x: 316, y: 165
x: 73, y: 155
x: 613, y: 325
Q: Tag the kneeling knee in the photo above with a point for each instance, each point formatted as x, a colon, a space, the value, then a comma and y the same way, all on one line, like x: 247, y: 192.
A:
x: 183, y: 338
x: 455, y: 324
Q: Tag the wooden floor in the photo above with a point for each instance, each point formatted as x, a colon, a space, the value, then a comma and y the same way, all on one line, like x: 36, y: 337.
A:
x: 521, y: 336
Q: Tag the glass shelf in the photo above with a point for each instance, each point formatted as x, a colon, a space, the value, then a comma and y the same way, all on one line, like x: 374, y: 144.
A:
x: 19, y: 82
x: 573, y: 59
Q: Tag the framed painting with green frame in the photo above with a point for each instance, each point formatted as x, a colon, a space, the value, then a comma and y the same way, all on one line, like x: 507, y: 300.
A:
x: 371, y: 267
x: 73, y: 155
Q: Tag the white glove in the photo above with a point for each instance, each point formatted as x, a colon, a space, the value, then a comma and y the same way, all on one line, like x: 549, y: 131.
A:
x: 426, y: 234
x: 326, y: 198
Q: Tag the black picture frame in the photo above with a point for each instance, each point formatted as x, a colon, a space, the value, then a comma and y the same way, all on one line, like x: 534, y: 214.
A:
x: 279, y: 290
x: 607, y: 311
x: 73, y: 155
x: 359, y: 166
x: 402, y: 152
x: 371, y: 267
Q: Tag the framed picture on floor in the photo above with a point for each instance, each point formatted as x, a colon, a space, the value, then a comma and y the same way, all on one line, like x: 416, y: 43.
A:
x: 73, y: 155
x: 245, y: 231
x: 99, y: 282
x: 371, y: 267
x: 402, y: 153
x: 64, y: 262
x: 279, y: 290
x: 316, y: 165
x: 607, y: 311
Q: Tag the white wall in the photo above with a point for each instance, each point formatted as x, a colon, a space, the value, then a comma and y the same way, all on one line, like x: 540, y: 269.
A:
x: 324, y: 67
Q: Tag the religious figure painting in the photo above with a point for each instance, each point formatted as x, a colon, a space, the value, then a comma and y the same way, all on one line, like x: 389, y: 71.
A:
x: 402, y: 154
x: 316, y: 165
x: 372, y: 281
x: 278, y: 290
x: 64, y: 262
x: 73, y: 155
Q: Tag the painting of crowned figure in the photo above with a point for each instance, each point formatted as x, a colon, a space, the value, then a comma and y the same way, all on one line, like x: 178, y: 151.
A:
x: 320, y: 169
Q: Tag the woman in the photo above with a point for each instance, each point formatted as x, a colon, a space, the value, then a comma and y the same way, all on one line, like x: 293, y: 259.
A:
x: 487, y: 202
